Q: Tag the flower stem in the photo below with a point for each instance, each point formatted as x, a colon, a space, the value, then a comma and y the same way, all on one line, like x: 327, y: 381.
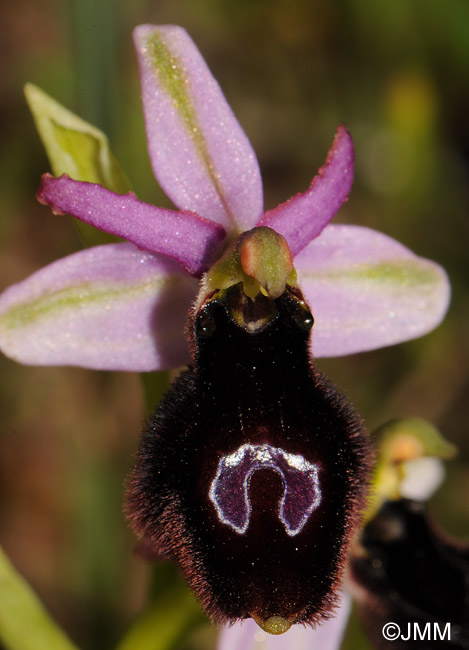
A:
x: 94, y: 27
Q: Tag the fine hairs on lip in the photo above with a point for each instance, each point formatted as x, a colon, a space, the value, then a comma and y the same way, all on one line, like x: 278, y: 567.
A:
x: 257, y: 388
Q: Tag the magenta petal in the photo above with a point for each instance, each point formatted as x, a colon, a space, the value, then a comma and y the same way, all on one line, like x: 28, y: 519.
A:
x: 112, y: 307
x: 368, y: 291
x: 184, y: 236
x: 303, y: 217
x: 200, y: 154
x: 328, y: 636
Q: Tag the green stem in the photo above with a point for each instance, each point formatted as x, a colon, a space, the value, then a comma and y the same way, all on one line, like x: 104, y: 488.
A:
x: 155, y: 385
x: 94, y: 28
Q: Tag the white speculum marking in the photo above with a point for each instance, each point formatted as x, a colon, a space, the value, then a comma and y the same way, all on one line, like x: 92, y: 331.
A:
x: 229, y: 491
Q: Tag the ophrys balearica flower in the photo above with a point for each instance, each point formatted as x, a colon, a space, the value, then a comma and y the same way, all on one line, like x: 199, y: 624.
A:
x: 252, y: 473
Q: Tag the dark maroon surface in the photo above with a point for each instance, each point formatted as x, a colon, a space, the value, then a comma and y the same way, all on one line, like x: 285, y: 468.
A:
x: 261, y: 388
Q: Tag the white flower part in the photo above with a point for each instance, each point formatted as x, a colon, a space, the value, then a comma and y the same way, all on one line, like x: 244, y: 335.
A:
x: 229, y: 490
x: 422, y: 477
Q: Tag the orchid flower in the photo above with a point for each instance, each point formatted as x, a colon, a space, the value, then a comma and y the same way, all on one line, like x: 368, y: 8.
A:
x: 406, y: 574
x: 124, y: 306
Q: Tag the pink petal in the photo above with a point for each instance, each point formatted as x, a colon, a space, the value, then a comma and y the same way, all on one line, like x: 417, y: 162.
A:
x: 302, y: 218
x: 248, y: 636
x: 240, y: 636
x: 368, y: 291
x: 200, y: 155
x: 112, y: 307
x: 184, y: 236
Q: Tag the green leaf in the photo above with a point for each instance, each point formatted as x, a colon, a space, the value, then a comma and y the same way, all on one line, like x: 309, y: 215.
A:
x: 24, y: 623
x: 172, y: 615
x: 73, y: 146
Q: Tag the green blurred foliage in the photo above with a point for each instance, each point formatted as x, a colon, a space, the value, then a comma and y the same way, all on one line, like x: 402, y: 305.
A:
x: 24, y: 624
x: 396, y: 73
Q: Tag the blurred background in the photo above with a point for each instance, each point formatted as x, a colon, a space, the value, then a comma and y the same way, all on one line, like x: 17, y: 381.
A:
x: 397, y: 74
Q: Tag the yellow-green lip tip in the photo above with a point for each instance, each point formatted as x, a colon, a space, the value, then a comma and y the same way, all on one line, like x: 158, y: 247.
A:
x: 274, y: 624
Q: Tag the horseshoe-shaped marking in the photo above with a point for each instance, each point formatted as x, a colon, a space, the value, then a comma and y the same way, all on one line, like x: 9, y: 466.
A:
x: 229, y: 491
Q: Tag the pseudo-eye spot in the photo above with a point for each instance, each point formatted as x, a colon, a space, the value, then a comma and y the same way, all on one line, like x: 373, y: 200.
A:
x: 229, y: 491
x: 252, y: 472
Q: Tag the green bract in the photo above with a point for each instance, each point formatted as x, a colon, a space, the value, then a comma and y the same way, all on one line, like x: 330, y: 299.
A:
x: 74, y: 146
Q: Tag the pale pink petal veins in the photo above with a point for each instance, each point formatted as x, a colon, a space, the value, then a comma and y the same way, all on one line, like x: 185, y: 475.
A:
x: 184, y: 236
x: 111, y: 307
x: 303, y: 217
x: 200, y: 154
x: 368, y: 291
x: 328, y: 636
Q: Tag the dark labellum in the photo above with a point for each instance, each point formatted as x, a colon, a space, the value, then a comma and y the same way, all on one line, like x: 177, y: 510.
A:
x: 252, y: 472
x: 406, y: 571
